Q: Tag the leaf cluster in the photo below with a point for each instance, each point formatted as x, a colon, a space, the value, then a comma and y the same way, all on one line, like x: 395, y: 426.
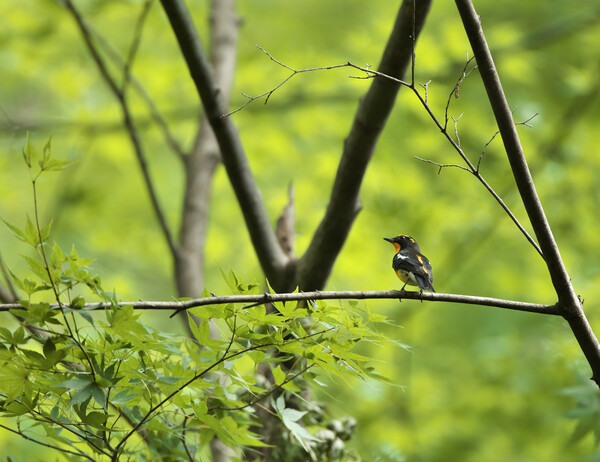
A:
x: 104, y: 385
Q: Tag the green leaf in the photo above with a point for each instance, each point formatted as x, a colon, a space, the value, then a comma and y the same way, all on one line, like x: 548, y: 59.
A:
x: 584, y: 426
x: 77, y: 303
x: 31, y: 233
x: 123, y: 397
x: 28, y: 152
x: 57, y: 258
x: 169, y: 380
x: 81, y: 395
x: 16, y: 231
x: 38, y: 268
x: 96, y: 419
x: 76, y: 382
x: 6, y: 334
x: 98, y: 394
x: 14, y: 409
x: 278, y: 375
x: 29, y: 286
x: 54, y: 165
x: 49, y: 347
x: 240, y: 435
x: 77, y: 260
x: 13, y: 378
x: 200, y: 331
x: 290, y: 417
x: 19, y: 336
x: 40, y: 313
x: 46, y: 153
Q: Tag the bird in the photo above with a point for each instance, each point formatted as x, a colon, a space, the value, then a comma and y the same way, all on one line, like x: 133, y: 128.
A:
x: 410, y: 265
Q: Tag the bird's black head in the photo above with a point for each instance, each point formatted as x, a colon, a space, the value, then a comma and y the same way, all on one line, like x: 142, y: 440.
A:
x: 402, y: 241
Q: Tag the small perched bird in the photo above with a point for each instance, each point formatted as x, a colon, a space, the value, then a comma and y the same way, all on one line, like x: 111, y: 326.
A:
x: 410, y: 265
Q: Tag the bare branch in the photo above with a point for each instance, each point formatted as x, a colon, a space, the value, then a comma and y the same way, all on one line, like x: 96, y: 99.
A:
x: 525, y: 122
x: 128, y: 121
x: 268, y: 94
x: 441, y: 166
x: 569, y: 304
x: 135, y: 83
x: 260, y: 299
x: 456, y: 128
x: 514, y: 150
x: 135, y: 44
x: 425, y: 87
x: 5, y: 295
x: 455, y: 91
x: 485, y: 148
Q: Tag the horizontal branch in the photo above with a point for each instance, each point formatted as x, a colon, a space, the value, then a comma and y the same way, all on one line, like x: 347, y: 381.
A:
x: 259, y: 299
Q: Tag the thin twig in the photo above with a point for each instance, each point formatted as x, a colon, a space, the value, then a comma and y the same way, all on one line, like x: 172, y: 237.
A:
x: 135, y: 83
x: 485, y: 148
x: 456, y: 128
x: 442, y: 166
x: 455, y: 91
x: 268, y: 94
x: 425, y: 87
x: 476, y: 173
x: 188, y: 452
x: 135, y: 44
x: 525, y: 122
x: 129, y: 124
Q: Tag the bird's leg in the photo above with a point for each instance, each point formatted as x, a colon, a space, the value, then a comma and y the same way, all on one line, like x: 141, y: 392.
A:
x: 402, y: 290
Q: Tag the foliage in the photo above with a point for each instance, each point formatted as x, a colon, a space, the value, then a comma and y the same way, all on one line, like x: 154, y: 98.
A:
x: 107, y: 385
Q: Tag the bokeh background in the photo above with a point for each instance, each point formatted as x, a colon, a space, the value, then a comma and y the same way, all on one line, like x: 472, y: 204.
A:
x: 477, y: 384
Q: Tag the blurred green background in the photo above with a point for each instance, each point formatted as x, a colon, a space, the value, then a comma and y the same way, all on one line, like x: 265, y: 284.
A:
x: 479, y: 384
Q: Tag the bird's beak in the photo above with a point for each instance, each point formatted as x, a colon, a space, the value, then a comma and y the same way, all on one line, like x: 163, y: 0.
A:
x: 389, y: 239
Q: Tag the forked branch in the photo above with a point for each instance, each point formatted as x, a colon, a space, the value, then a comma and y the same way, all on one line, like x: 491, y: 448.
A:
x: 470, y: 167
